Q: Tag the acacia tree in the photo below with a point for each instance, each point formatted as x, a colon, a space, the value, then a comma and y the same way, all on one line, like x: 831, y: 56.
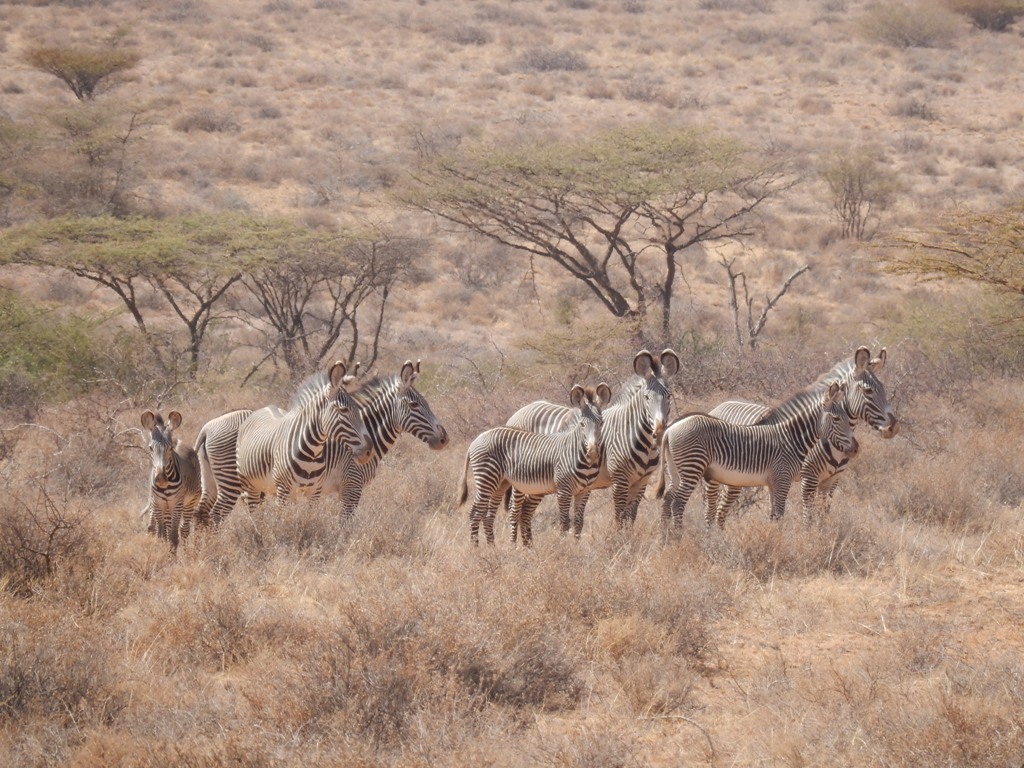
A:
x: 191, y: 262
x: 81, y: 69
x: 617, y: 211
x: 986, y: 248
x: 308, y: 289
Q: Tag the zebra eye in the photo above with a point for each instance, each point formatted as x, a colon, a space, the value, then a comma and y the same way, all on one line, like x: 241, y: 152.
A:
x: 414, y: 404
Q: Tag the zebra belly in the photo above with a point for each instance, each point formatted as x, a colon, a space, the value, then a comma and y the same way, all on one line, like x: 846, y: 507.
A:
x: 741, y: 478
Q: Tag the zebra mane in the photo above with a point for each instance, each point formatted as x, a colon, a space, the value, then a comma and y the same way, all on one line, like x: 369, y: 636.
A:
x: 808, y: 396
x: 369, y: 390
x: 310, y: 388
x: 626, y: 391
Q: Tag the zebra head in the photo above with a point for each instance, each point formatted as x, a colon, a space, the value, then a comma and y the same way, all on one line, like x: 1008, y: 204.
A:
x: 865, y: 394
x: 161, y: 443
x: 834, y: 424
x: 412, y: 412
x: 348, y: 425
x: 656, y: 394
x: 589, y: 421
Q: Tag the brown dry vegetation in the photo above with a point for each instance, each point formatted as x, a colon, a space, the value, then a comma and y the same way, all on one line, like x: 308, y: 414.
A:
x: 890, y: 632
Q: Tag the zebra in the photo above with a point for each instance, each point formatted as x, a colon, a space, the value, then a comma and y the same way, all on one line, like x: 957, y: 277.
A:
x: 174, y: 486
x: 284, y: 451
x: 819, y: 473
x: 702, y: 446
x: 215, y: 446
x: 633, y: 424
x: 389, y: 405
x: 565, y: 463
x: 865, y: 399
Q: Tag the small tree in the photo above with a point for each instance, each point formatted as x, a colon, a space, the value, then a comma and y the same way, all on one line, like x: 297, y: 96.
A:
x: 309, y: 289
x: 737, y: 281
x: 993, y: 15
x: 81, y: 69
x: 861, y: 190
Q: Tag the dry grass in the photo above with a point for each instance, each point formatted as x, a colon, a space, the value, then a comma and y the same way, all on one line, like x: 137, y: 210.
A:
x: 289, y: 638
x: 885, y: 632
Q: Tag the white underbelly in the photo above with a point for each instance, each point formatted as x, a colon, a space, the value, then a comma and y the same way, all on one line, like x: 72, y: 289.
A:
x: 735, y: 477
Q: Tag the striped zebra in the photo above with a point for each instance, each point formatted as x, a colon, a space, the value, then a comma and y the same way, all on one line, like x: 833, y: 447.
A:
x: 565, y: 463
x: 865, y: 399
x: 699, y: 446
x: 389, y: 405
x: 283, y: 452
x: 174, y: 486
x: 633, y: 424
x: 216, y: 445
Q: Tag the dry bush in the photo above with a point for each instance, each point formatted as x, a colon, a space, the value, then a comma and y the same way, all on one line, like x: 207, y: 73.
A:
x: 551, y: 60
x: 922, y: 25
x: 994, y: 15
x: 207, y: 120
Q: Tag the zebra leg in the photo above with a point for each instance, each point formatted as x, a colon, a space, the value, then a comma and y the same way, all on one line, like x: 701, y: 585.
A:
x: 620, y: 500
x: 173, y: 524
x: 636, y: 491
x: 808, y: 494
x: 564, y: 506
x: 514, y: 502
x: 489, y: 514
x: 712, y: 510
x: 529, y: 506
x: 778, y: 492
x: 727, y: 500
x: 580, y: 504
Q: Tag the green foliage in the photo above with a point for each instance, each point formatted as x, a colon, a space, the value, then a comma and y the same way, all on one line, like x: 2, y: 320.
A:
x: 44, y: 356
x: 861, y: 189
x: 81, y: 69
x: 921, y: 25
x: 993, y: 15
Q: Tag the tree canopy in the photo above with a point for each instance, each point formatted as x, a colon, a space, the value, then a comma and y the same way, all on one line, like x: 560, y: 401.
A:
x: 81, y: 69
x: 616, y: 210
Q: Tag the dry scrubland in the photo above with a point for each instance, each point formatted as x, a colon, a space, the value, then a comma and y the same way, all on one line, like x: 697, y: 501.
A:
x: 889, y: 632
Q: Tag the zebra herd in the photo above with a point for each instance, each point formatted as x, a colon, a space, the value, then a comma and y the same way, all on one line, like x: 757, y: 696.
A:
x: 334, y: 434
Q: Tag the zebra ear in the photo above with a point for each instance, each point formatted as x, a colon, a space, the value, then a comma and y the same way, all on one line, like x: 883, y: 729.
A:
x: 409, y: 373
x: 643, y: 363
x: 876, y: 365
x: 604, y: 394
x: 669, y: 363
x: 860, y: 359
x: 336, y: 374
x: 174, y: 417
x: 576, y: 395
x: 148, y: 419
x: 834, y: 392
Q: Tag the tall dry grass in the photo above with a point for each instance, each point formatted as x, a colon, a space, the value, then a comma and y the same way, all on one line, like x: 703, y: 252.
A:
x: 290, y: 638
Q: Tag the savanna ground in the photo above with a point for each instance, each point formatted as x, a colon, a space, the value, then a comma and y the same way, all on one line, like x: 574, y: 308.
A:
x: 888, y: 632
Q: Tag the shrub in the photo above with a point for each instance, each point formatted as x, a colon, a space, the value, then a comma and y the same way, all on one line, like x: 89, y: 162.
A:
x: 861, y: 189
x: 207, y: 120
x: 44, y: 357
x: 993, y: 15
x: 551, y: 60
x: 905, y: 26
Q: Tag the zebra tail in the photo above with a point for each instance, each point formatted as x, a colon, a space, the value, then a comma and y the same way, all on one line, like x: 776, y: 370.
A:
x: 207, y: 479
x: 463, y: 485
